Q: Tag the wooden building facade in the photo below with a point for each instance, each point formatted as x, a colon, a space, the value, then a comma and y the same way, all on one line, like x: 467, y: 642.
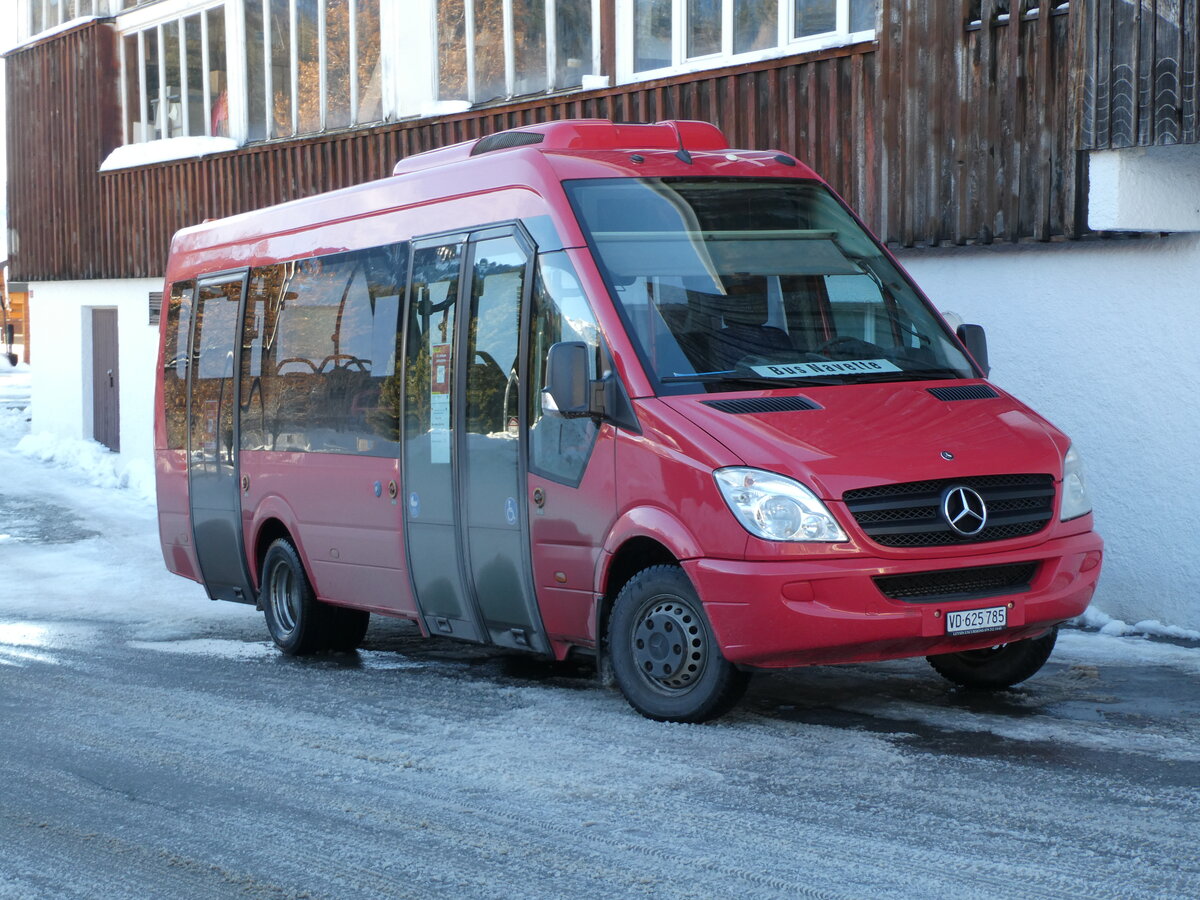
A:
x: 960, y: 123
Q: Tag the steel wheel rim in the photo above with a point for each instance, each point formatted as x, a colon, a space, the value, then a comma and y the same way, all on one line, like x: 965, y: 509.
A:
x: 285, y: 597
x: 669, y: 645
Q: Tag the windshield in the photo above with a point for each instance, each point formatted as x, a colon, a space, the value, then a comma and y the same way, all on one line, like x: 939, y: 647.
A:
x: 729, y: 284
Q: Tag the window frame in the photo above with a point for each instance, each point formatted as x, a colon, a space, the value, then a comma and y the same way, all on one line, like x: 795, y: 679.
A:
x: 682, y: 64
x: 146, y: 22
x: 510, y: 73
x: 145, y: 29
x: 62, y: 13
x: 353, y: 47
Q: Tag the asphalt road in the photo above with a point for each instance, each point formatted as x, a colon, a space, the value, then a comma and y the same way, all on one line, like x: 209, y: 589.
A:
x: 203, y: 764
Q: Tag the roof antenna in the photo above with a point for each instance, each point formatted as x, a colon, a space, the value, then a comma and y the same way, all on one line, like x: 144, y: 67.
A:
x: 681, y: 154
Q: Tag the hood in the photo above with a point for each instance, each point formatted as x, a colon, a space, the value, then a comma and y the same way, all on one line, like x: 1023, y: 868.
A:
x: 868, y: 434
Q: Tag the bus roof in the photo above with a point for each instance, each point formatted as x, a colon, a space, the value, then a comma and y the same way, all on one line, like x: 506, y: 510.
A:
x: 534, y: 159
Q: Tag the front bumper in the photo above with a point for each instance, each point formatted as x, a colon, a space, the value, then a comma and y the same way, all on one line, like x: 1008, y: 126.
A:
x: 793, y: 613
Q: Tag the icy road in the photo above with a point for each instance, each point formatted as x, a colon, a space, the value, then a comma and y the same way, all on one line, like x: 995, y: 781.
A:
x: 153, y: 745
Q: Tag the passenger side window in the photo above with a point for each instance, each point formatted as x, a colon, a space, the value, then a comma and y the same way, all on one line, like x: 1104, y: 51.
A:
x: 319, y: 354
x: 175, y: 363
x: 559, y: 448
x: 497, y: 289
x: 429, y: 356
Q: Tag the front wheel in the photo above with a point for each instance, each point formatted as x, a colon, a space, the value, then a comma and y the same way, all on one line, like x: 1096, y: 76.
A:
x: 994, y: 668
x: 664, y: 654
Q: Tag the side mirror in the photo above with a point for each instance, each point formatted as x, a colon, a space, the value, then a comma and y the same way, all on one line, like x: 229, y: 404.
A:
x: 975, y: 340
x: 568, y: 383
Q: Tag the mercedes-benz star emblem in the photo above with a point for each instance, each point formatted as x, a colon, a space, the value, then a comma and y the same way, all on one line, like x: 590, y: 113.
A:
x: 964, y: 510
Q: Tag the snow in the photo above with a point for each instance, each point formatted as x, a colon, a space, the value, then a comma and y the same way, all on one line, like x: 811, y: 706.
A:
x: 117, y: 575
x: 92, y: 460
x: 149, y: 152
x: 1106, y: 624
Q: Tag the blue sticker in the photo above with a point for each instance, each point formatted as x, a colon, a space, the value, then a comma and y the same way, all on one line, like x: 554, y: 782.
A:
x: 414, y: 504
x: 378, y: 488
x: 510, y: 511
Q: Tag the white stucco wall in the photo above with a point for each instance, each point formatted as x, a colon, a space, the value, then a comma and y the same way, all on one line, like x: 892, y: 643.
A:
x: 1103, y: 339
x: 61, y: 358
x: 1145, y: 189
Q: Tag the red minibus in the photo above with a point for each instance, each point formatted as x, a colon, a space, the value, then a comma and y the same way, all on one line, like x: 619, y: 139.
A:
x: 609, y: 389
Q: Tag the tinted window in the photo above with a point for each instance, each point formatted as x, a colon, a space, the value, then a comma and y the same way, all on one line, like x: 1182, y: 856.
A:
x: 432, y: 314
x: 319, y: 354
x: 212, y: 419
x: 558, y: 447
x: 175, y: 363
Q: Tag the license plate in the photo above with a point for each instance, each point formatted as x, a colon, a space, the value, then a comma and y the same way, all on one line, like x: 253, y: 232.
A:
x: 969, y: 621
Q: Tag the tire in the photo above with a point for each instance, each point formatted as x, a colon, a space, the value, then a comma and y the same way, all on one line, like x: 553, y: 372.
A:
x: 666, y: 680
x: 995, y: 668
x: 348, y: 628
x: 298, y: 622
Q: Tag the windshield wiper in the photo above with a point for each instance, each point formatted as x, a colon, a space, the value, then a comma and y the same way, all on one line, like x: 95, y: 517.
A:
x: 733, y: 376
x: 922, y: 375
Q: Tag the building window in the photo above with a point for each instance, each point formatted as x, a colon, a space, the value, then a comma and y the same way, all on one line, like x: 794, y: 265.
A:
x: 493, y: 49
x: 174, y: 78
x: 46, y: 14
x: 311, y: 65
x: 687, y: 35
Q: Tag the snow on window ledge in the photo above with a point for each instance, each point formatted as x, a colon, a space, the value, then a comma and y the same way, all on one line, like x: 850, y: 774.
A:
x: 133, y: 155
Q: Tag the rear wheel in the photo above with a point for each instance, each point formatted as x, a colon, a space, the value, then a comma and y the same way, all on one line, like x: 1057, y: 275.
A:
x: 993, y: 668
x: 664, y: 653
x: 349, y: 627
x: 299, y: 623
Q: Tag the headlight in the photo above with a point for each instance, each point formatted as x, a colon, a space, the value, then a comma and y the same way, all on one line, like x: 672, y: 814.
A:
x: 1075, y: 501
x: 776, y: 508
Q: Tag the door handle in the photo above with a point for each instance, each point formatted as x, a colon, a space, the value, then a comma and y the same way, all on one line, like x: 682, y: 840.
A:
x: 110, y: 378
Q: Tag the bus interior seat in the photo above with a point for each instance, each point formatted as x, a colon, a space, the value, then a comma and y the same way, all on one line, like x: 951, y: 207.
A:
x: 744, y: 309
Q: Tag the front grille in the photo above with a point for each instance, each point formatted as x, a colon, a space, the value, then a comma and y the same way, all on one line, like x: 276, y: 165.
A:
x: 958, y: 584
x: 909, y: 514
x: 741, y: 406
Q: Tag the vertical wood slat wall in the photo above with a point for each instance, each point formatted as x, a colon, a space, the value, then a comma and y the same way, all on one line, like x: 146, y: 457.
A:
x: 978, y: 135
x: 1139, y: 63
x: 936, y: 133
x: 61, y: 122
x: 820, y: 107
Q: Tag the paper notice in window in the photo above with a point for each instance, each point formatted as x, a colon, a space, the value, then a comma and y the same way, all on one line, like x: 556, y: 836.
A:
x: 825, y: 369
x: 439, y: 404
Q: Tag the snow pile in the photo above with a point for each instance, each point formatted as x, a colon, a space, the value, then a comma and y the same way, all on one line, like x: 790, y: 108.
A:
x: 1106, y: 624
x: 14, y: 401
x: 14, y: 421
x: 166, y: 150
x: 94, y: 461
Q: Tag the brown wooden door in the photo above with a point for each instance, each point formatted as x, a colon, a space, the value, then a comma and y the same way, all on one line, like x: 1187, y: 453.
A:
x: 106, y: 380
